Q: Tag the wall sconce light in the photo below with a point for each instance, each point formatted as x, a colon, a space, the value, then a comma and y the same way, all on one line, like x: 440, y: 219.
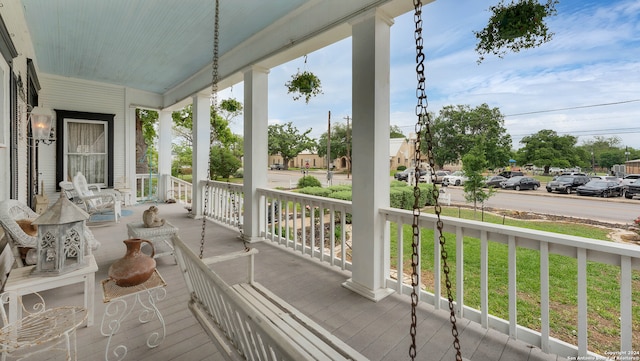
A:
x: 41, y: 120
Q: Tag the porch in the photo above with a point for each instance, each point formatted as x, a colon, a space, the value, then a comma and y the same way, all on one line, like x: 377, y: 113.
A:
x: 379, y: 330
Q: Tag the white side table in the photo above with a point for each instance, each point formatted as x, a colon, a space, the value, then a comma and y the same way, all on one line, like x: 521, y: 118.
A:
x: 22, y: 282
x: 118, y: 309
x: 126, y: 195
x: 159, y: 236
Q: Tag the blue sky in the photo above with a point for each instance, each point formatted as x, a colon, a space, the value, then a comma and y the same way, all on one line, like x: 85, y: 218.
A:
x: 593, y: 60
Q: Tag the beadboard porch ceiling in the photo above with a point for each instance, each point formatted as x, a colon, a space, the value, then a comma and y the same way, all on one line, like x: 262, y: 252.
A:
x: 165, y: 46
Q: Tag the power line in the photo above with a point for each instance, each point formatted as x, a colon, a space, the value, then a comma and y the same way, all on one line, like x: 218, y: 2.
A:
x: 572, y: 108
x: 594, y: 132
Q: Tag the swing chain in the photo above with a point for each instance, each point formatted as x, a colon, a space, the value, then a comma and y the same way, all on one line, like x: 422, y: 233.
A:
x: 214, y: 101
x: 423, y: 128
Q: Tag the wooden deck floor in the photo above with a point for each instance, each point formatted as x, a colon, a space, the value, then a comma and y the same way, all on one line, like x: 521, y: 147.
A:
x: 380, y: 331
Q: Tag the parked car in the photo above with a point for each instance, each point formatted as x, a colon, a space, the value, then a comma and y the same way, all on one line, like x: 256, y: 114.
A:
x: 277, y: 166
x: 402, y: 175
x: 510, y: 173
x: 608, y: 178
x: 630, y: 178
x: 494, y: 181
x: 520, y: 183
x: 567, y: 183
x: 632, y: 189
x: 600, y: 188
x: 456, y: 178
x: 440, y: 174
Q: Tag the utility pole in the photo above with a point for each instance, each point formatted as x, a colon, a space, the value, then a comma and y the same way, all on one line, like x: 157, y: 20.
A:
x: 626, y: 153
x: 348, y: 149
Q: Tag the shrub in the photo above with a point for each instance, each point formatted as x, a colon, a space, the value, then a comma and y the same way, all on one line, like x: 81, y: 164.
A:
x: 403, y: 198
x: 397, y: 183
x: 339, y: 188
x: 316, y: 191
x: 401, y: 168
x: 342, y: 195
x: 239, y: 173
x: 309, y: 181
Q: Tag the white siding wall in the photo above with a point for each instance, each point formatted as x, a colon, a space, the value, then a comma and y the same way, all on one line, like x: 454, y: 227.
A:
x: 82, y: 96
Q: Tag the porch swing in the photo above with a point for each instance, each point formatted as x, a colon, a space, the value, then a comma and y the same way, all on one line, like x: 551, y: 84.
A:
x: 246, y: 321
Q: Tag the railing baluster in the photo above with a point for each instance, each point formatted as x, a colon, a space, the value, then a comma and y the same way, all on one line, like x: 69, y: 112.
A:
x: 484, y: 279
x: 437, y: 268
x: 400, y: 252
x: 626, y: 316
x: 544, y: 295
x: 459, y: 272
x: 582, y: 302
x: 513, y: 296
x: 312, y: 228
x: 343, y: 223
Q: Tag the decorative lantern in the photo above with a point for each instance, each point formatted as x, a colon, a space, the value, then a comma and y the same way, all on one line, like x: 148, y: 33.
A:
x: 61, y: 239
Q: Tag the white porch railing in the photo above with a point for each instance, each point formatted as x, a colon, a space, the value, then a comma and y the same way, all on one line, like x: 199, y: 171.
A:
x: 179, y: 190
x: 625, y: 257
x: 147, y: 186
x: 331, y: 246
x: 225, y: 203
x: 314, y: 226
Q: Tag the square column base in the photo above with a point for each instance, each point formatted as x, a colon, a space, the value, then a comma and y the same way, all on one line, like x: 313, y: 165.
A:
x: 375, y: 295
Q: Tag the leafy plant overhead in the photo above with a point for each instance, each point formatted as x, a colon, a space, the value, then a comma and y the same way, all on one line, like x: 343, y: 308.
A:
x: 304, y: 84
x: 515, y: 26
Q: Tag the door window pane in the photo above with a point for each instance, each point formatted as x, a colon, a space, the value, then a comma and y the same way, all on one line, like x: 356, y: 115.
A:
x: 86, y: 144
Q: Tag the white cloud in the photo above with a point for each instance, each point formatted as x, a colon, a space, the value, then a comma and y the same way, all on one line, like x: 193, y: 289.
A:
x: 593, y: 59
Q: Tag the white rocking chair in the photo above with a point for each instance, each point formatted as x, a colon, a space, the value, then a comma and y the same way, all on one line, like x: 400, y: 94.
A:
x: 42, y: 330
x: 96, y: 200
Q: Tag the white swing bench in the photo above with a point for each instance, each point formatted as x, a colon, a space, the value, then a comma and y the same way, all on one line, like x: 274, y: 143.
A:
x: 247, y: 321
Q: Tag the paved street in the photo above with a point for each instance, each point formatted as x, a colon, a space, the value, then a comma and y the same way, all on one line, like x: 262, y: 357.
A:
x: 611, y: 210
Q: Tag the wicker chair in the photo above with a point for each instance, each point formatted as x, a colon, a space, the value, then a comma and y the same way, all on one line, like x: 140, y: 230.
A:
x: 41, y: 331
x: 13, y: 210
x: 97, y: 200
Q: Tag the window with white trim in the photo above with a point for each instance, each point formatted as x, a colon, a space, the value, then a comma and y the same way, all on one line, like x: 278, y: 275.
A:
x: 85, y: 144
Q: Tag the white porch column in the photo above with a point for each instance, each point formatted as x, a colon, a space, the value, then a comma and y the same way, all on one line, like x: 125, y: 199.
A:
x: 256, y: 150
x: 201, y: 130
x: 370, y: 97
x: 164, y: 154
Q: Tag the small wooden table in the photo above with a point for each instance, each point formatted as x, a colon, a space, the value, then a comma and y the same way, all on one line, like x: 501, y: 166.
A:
x: 22, y: 282
x: 159, y: 236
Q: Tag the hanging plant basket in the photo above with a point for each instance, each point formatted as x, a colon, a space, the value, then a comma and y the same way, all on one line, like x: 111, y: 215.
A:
x: 518, y: 25
x: 304, y: 85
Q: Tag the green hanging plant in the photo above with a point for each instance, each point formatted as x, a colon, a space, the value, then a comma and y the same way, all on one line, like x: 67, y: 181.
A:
x: 304, y: 84
x: 518, y: 25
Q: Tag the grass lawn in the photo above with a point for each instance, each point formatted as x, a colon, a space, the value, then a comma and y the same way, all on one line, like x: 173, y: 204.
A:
x: 603, y: 281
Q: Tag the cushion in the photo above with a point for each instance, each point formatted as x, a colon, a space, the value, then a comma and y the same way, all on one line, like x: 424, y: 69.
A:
x: 27, y: 227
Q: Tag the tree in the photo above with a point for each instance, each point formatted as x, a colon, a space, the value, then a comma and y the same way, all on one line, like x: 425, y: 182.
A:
x: 606, y: 151
x: 183, y: 125
x: 473, y: 164
x: 222, y: 136
x: 223, y: 163
x: 182, y: 160
x: 458, y: 129
x: 396, y: 132
x: 339, y: 143
x: 145, y: 134
x: 547, y: 149
x: 285, y: 140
